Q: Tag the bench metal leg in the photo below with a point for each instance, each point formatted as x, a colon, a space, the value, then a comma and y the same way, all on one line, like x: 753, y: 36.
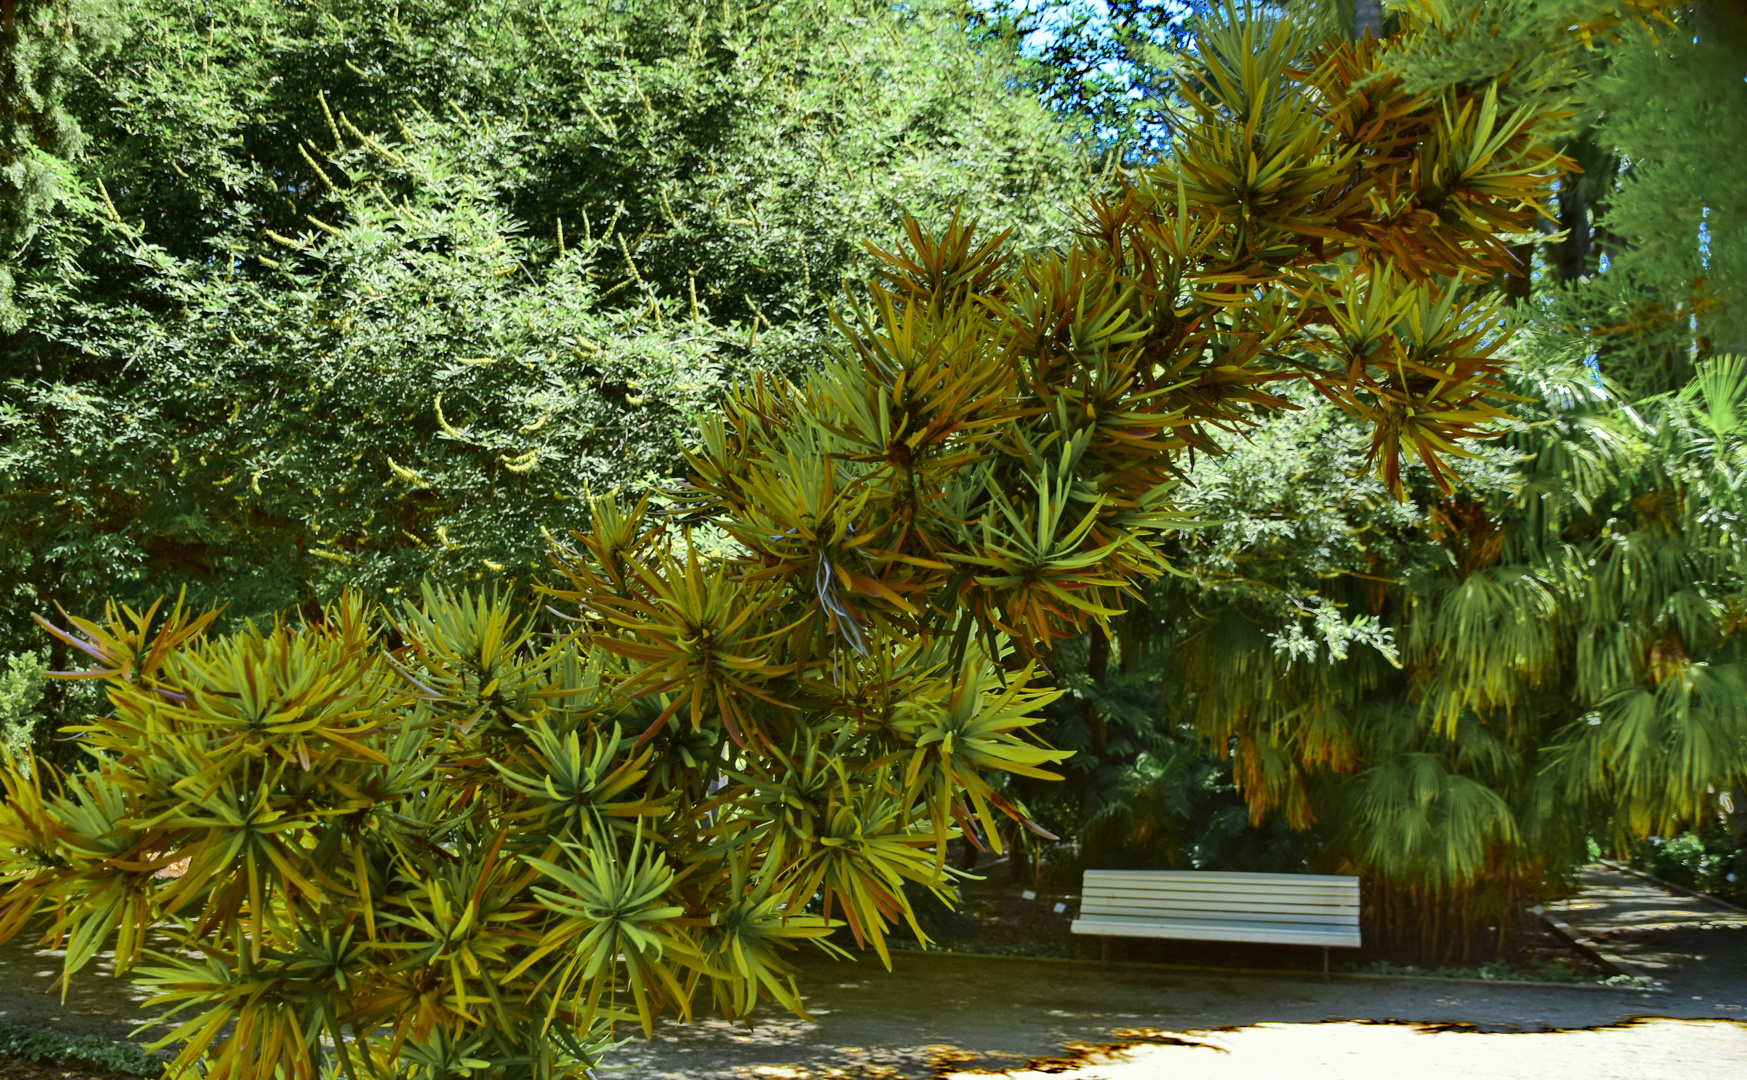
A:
x: 1104, y: 960
x: 1325, y: 963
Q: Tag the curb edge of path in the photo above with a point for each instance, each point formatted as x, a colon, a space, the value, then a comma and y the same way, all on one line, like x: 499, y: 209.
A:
x: 1598, y: 952
x: 1696, y: 894
x: 1652, y: 986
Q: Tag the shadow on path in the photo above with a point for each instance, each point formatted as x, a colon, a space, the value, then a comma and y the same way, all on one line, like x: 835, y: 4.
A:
x: 97, y: 1004
x: 1694, y: 946
x: 936, y: 1014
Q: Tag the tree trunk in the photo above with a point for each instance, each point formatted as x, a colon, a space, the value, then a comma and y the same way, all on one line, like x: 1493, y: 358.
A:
x: 1018, y: 856
x: 1097, y: 667
x: 1572, y: 254
x: 1518, y: 285
x: 1367, y: 19
x: 54, y: 705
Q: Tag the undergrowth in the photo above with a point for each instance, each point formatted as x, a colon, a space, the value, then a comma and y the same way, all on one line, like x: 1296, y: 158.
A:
x: 49, y: 1047
x: 1530, y: 971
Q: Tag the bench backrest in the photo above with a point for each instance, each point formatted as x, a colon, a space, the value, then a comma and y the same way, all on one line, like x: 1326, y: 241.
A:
x: 1322, y: 900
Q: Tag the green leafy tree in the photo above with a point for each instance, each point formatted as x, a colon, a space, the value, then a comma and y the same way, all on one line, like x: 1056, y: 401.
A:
x: 1649, y: 234
x: 1668, y: 283
x: 1107, y: 65
x: 40, y: 42
x: 359, y: 292
x: 1447, y: 694
x: 456, y: 841
x: 21, y: 692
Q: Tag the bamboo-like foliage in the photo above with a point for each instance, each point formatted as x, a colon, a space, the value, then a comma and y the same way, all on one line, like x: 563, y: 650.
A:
x: 436, y: 842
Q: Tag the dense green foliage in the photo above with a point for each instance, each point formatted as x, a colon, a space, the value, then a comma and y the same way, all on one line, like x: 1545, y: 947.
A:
x: 1669, y: 251
x: 357, y: 292
x: 1712, y: 858
x: 1647, y: 256
x: 40, y: 43
x: 1451, y: 694
x: 22, y: 682
x: 456, y: 837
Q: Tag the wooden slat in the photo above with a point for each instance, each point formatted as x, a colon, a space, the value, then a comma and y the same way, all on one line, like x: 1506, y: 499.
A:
x: 1267, y: 881
x: 1280, y: 922
x: 1217, y: 911
x: 1317, y: 904
x: 1336, y: 903
x: 1263, y: 889
x: 1209, y: 930
x: 1209, y: 911
x: 1218, y: 875
x: 1218, y: 886
x: 1188, y: 893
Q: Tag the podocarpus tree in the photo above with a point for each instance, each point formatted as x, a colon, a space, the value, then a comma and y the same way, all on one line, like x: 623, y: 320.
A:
x: 458, y: 845
x: 40, y: 42
x: 356, y: 292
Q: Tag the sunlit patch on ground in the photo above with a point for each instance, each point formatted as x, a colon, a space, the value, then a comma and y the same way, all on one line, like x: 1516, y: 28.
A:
x: 1654, y: 1048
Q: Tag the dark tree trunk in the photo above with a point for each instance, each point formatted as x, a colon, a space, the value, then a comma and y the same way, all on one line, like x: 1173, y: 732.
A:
x: 1520, y: 283
x: 1018, y: 854
x: 1367, y: 19
x: 1097, y: 667
x: 1572, y: 253
x: 1098, y: 655
x: 54, y: 705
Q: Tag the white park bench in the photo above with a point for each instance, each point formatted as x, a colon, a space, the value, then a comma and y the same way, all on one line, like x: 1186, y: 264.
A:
x: 1196, y: 905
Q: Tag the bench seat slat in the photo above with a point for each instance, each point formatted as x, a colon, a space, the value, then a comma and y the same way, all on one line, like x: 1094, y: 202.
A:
x: 1306, y: 918
x: 1215, y: 900
x: 1233, y: 878
x: 1237, y: 900
x: 1297, y: 909
x: 1213, y: 930
x: 1208, y: 889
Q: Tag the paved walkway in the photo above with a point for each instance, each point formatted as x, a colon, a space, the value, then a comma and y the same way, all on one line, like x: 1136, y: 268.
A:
x: 939, y: 1015
x: 1654, y: 1050
x: 97, y: 1003
x: 1694, y: 946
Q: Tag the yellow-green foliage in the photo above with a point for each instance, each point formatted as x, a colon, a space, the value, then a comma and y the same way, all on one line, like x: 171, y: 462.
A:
x: 443, y: 839
x: 446, y: 845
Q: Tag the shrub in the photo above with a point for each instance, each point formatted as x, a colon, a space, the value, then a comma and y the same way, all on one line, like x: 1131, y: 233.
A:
x: 450, y: 839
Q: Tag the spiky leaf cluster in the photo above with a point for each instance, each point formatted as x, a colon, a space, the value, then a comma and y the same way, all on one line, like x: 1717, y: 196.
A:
x: 801, y: 682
